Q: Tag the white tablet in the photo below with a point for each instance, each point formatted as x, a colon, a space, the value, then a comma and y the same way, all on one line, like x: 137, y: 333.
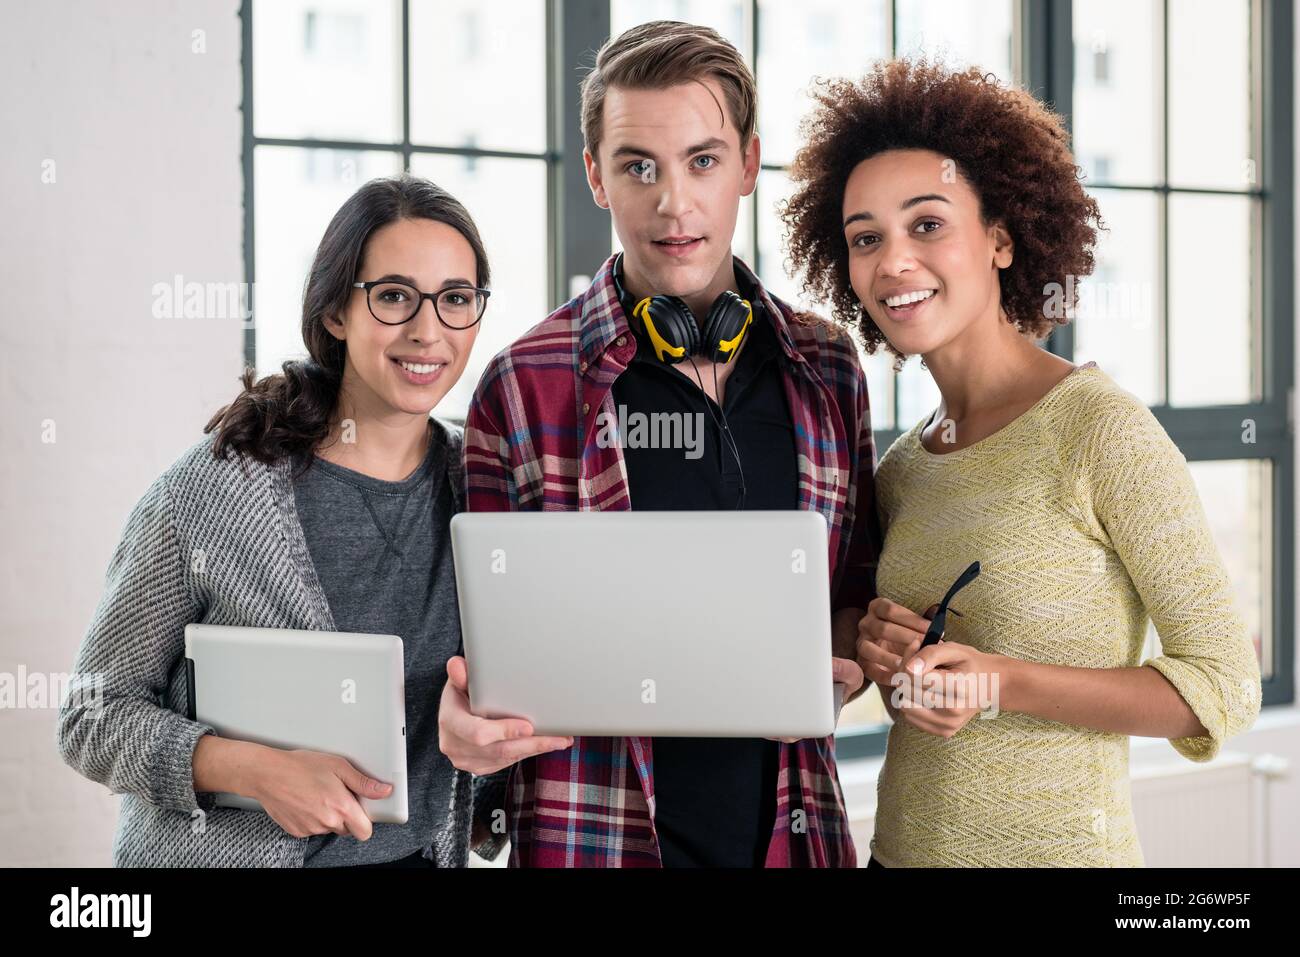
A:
x: 648, y: 623
x: 325, y: 691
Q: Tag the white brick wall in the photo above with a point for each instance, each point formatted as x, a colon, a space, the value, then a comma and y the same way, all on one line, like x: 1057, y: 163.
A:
x: 145, y: 136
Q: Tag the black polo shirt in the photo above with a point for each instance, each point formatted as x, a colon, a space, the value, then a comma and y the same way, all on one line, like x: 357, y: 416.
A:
x: 715, y: 798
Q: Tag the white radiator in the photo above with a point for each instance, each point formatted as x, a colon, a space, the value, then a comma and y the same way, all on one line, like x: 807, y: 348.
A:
x: 1205, y: 815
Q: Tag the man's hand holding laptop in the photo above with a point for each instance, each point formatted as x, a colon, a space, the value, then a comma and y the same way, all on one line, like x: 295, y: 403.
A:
x: 847, y: 673
x: 484, y: 745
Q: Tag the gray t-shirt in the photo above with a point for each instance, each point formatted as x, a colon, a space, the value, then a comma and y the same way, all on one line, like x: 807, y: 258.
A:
x: 382, y: 551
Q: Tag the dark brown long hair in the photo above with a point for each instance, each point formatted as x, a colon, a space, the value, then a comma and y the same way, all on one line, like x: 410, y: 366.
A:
x: 288, y: 413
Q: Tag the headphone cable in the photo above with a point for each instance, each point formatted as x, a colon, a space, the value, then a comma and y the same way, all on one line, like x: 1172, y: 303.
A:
x: 724, y: 430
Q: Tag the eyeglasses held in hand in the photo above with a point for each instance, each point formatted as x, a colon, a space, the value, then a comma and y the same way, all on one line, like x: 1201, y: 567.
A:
x: 393, y: 302
x: 940, y: 619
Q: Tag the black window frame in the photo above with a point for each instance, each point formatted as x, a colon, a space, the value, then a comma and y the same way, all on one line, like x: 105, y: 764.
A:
x: 1043, y: 61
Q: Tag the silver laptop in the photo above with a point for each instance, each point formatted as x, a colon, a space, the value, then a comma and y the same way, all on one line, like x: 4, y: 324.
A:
x: 325, y: 691
x: 683, y: 624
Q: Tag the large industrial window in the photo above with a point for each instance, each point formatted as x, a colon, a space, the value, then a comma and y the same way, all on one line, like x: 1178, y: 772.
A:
x: 1190, y: 307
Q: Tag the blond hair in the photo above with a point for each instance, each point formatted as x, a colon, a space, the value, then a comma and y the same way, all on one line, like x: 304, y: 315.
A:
x: 664, y: 53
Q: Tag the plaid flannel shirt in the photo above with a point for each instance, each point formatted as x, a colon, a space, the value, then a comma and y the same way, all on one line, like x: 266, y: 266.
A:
x: 530, y: 444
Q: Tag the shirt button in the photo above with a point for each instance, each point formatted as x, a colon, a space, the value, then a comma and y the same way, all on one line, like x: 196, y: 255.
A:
x: 620, y: 340
x: 582, y: 366
x: 586, y: 406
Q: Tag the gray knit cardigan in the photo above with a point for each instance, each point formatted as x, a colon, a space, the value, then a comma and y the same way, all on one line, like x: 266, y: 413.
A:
x: 216, y: 542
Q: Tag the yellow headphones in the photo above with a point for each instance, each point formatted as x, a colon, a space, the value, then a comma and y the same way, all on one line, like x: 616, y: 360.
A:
x: 673, y: 331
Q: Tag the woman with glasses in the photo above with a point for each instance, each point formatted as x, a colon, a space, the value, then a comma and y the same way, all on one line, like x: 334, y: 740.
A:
x: 320, y: 498
x: 941, y: 215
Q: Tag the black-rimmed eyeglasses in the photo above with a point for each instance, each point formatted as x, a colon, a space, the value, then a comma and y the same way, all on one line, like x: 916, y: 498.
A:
x: 393, y: 303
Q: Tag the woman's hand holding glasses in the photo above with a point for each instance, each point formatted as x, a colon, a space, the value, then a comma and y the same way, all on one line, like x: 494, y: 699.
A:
x: 889, y: 642
x: 888, y: 635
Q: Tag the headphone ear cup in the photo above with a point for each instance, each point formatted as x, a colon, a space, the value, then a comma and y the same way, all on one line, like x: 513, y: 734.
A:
x: 728, y: 320
x: 674, y: 322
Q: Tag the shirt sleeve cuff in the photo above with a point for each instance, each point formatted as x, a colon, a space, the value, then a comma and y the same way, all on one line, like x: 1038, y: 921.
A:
x: 1205, y: 702
x: 172, y: 763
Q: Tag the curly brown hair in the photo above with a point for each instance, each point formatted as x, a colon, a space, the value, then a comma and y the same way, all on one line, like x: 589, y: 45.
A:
x: 1013, y: 151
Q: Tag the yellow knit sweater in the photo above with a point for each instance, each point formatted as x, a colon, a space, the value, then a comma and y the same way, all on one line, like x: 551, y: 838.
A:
x: 1085, y: 520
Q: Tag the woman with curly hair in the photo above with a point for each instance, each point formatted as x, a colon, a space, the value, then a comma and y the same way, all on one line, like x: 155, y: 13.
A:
x: 940, y: 214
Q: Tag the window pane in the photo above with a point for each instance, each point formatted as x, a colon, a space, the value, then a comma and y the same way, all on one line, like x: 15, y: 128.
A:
x: 1117, y: 319
x: 918, y: 396
x: 1211, y: 335
x: 728, y: 17
x: 297, y: 193
x: 959, y: 33
x: 799, y: 41
x: 328, y: 69
x: 742, y: 243
x: 498, y: 51
x: 880, y: 389
x: 1238, y: 501
x: 507, y: 200
x: 1117, y: 91
x: 1209, y: 99
x: 866, y: 710
x: 774, y: 187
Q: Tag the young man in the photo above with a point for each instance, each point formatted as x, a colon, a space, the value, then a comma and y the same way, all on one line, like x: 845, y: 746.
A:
x: 668, y: 120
